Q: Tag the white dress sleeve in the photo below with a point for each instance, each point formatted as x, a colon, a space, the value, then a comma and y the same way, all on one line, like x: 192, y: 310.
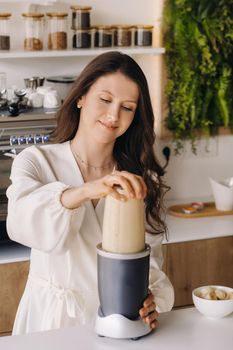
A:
x: 159, y: 283
x: 36, y: 217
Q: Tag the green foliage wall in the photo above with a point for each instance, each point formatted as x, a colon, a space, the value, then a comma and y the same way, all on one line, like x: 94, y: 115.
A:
x: 198, y: 37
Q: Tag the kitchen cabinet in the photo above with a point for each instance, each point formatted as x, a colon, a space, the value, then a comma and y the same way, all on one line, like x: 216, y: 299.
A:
x: 13, y: 278
x: 195, y: 263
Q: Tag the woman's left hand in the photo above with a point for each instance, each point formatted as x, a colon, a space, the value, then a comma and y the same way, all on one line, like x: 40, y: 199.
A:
x: 148, y: 312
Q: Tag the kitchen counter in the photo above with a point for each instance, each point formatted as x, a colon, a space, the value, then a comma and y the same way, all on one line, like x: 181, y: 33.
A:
x: 180, y: 329
x: 188, y: 229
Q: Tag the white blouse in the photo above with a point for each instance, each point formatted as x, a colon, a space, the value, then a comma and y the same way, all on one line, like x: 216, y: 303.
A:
x: 62, y: 285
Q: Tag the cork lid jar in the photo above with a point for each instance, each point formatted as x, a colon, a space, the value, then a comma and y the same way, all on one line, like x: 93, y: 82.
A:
x: 4, y: 31
x: 34, y: 28
x: 81, y: 17
x: 144, y: 35
x: 57, y: 30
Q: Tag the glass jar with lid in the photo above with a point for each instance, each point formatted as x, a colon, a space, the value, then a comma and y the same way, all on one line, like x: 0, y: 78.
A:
x: 4, y: 31
x: 34, y: 26
x: 81, y: 17
x: 82, y: 38
x: 144, y: 35
x: 123, y: 35
x: 57, y: 30
x: 104, y: 36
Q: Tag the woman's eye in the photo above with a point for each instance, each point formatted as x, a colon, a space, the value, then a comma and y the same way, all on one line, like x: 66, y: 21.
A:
x: 105, y: 100
x: 128, y: 109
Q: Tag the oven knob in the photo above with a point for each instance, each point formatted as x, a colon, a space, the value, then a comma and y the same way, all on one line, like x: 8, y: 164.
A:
x: 13, y: 140
x: 30, y: 139
x: 38, y: 139
x: 21, y: 140
x: 46, y: 138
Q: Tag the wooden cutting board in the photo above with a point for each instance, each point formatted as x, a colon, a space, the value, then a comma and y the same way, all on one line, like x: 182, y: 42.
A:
x: 208, y: 210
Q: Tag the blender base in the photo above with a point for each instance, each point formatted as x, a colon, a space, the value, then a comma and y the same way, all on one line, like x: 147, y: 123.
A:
x: 118, y: 326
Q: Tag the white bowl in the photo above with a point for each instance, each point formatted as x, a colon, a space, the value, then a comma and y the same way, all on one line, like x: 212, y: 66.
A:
x: 213, y: 308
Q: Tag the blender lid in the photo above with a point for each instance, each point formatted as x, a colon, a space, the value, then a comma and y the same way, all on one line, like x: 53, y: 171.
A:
x: 64, y: 79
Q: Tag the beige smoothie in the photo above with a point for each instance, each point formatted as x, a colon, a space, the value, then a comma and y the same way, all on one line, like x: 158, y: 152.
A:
x: 123, y: 226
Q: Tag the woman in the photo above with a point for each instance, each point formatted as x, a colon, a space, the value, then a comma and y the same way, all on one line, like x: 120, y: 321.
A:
x: 104, y: 137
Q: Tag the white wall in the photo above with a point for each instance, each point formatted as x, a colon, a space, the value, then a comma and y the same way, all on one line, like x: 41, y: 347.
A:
x: 187, y: 174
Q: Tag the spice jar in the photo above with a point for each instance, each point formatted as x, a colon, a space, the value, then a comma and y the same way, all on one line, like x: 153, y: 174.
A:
x: 33, y: 31
x: 82, y: 38
x: 103, y: 36
x: 123, y: 35
x: 4, y: 31
x: 57, y: 26
x: 81, y: 17
x: 143, y: 35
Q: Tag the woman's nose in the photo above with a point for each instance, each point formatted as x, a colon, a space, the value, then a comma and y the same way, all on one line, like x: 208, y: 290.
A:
x: 112, y: 118
x: 113, y: 113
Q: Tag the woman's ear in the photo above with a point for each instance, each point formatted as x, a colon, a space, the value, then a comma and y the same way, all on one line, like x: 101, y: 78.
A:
x: 80, y: 102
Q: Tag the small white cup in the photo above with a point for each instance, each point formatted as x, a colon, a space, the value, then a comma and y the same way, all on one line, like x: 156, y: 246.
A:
x: 36, y: 100
x: 223, y: 195
x: 51, y: 99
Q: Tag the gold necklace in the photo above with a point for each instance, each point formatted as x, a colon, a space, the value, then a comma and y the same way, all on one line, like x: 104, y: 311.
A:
x: 107, y: 166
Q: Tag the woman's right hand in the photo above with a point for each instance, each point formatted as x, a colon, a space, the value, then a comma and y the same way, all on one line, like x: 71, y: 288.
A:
x: 133, y: 186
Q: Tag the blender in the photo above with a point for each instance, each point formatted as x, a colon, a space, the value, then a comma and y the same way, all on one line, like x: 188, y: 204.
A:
x: 122, y: 270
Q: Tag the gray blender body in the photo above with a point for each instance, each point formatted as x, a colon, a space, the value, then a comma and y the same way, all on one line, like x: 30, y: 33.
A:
x: 123, y: 281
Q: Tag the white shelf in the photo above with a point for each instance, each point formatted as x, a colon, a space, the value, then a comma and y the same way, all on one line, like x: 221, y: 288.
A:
x: 80, y: 52
x: 39, y: 2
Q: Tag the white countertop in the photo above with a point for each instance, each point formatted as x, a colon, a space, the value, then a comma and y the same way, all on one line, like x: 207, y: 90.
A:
x: 189, y: 229
x: 178, y: 330
x: 182, y: 230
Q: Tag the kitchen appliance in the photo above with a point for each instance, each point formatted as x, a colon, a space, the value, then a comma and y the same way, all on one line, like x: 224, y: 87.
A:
x: 122, y: 270
x: 123, y: 286
x: 33, y: 127
x: 62, y: 84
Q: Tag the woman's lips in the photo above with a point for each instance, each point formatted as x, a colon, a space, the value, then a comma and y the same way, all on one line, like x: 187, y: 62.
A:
x: 108, y: 126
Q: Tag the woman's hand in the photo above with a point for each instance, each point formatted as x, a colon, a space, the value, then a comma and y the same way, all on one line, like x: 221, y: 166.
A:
x: 148, y: 312
x: 133, y: 186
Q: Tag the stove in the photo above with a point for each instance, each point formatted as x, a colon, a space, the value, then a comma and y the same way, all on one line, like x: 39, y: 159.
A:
x: 26, y: 129
x: 17, y: 133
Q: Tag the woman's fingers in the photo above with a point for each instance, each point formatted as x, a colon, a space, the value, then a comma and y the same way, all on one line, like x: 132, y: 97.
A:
x: 144, y: 311
x: 118, y: 179
x: 134, y: 185
x: 149, y: 300
x: 148, y: 312
x: 152, y: 323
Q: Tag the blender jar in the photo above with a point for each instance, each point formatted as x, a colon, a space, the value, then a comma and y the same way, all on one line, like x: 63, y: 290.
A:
x: 33, y: 31
x: 57, y: 30
x: 4, y: 31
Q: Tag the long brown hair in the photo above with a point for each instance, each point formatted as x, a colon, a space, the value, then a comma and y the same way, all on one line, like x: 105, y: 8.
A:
x: 133, y: 151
